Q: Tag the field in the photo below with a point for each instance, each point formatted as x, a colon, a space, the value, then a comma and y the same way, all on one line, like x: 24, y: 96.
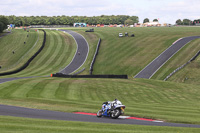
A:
x: 161, y: 100
x: 19, y: 125
x: 22, y: 52
x: 167, y: 101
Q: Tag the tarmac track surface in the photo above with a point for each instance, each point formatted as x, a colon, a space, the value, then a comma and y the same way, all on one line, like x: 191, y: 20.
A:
x: 55, y: 115
x: 80, y: 55
x: 157, y: 63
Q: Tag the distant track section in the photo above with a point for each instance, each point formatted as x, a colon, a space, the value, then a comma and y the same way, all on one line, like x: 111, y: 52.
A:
x: 157, y: 63
x: 80, y: 55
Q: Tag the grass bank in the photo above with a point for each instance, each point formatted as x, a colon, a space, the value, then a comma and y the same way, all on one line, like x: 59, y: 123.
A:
x: 166, y: 101
x: 19, y: 125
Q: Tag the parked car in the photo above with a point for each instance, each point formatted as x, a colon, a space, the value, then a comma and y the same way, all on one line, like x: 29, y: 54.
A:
x: 120, y: 35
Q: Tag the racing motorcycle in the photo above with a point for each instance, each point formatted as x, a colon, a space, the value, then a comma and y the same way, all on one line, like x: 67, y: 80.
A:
x: 111, y: 109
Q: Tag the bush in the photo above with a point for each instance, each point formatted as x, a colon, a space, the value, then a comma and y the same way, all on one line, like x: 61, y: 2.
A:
x: 1, y: 27
x: 3, y: 23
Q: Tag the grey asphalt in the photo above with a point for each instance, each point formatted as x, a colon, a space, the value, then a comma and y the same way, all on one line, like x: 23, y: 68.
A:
x: 157, y: 63
x: 55, y: 115
x: 80, y: 55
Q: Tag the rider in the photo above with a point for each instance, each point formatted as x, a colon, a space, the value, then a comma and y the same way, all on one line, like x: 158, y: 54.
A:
x: 111, y: 104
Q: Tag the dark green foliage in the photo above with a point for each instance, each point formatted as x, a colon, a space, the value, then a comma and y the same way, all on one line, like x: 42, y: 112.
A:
x: 1, y: 27
x: 146, y: 20
x: 3, y: 23
x: 179, y: 22
x: 66, y: 20
x: 155, y: 20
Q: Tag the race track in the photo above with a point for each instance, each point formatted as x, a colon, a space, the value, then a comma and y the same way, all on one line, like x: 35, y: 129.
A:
x: 157, y: 63
x: 76, y: 63
x: 80, y: 55
x: 55, y: 115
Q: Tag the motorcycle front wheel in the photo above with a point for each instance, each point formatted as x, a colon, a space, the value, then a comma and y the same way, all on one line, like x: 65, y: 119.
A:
x: 116, y: 114
x: 99, y: 113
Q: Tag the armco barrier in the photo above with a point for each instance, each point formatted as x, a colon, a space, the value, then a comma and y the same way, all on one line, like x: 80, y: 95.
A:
x: 90, y: 76
x: 95, y: 56
x: 29, y: 61
x: 192, y: 59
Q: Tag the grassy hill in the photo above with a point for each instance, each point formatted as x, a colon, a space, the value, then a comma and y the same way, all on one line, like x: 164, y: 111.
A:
x: 130, y: 55
x: 22, y: 52
x: 167, y: 101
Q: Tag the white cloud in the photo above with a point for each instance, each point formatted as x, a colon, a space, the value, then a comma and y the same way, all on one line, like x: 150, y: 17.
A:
x: 168, y: 10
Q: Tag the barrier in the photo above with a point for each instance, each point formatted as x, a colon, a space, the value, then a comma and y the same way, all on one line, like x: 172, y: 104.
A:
x: 90, y: 76
x: 95, y: 56
x: 192, y: 59
x: 29, y: 61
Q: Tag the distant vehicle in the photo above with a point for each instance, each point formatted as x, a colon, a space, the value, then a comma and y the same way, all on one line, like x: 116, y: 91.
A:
x: 120, y: 35
x: 90, y: 30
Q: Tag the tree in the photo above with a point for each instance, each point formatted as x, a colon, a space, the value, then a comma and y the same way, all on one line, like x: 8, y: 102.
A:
x: 146, y: 20
x: 179, y: 22
x: 3, y: 23
x: 186, y: 22
x: 128, y: 22
x: 155, y: 20
x: 1, y: 27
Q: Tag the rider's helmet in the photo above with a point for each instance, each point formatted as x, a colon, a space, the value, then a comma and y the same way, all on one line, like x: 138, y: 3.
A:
x: 119, y: 103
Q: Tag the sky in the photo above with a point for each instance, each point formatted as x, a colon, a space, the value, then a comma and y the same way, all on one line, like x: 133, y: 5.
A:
x: 167, y: 11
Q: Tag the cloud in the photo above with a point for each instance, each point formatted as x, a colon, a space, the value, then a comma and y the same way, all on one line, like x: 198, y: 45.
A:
x: 168, y: 11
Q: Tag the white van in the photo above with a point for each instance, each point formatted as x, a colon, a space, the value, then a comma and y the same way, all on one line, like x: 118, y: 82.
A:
x: 120, y: 35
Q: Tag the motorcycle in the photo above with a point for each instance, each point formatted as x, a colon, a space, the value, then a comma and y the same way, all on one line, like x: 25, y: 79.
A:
x: 111, y: 110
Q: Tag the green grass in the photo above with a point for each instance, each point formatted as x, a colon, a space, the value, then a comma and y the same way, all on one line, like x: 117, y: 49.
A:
x: 172, y: 102
x: 15, y: 42
x: 190, y: 74
x: 24, y: 125
x: 130, y: 55
x: 56, y: 55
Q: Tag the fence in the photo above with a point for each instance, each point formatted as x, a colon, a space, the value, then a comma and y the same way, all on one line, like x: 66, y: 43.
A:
x: 192, y: 59
x: 95, y: 56
x: 29, y: 61
x: 90, y: 76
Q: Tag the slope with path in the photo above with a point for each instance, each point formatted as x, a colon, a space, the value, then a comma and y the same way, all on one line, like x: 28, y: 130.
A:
x: 157, y: 63
x: 80, y: 55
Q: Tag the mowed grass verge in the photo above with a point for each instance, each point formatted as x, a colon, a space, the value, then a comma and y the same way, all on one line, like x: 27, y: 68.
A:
x: 56, y: 55
x: 22, y: 52
x: 19, y: 125
x: 172, y: 102
x: 190, y: 74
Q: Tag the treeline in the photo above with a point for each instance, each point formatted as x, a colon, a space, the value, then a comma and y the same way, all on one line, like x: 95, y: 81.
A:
x: 70, y: 20
x: 3, y: 23
x: 187, y: 22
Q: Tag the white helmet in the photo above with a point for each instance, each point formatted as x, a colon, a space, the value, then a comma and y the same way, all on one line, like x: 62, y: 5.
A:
x: 119, y: 103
